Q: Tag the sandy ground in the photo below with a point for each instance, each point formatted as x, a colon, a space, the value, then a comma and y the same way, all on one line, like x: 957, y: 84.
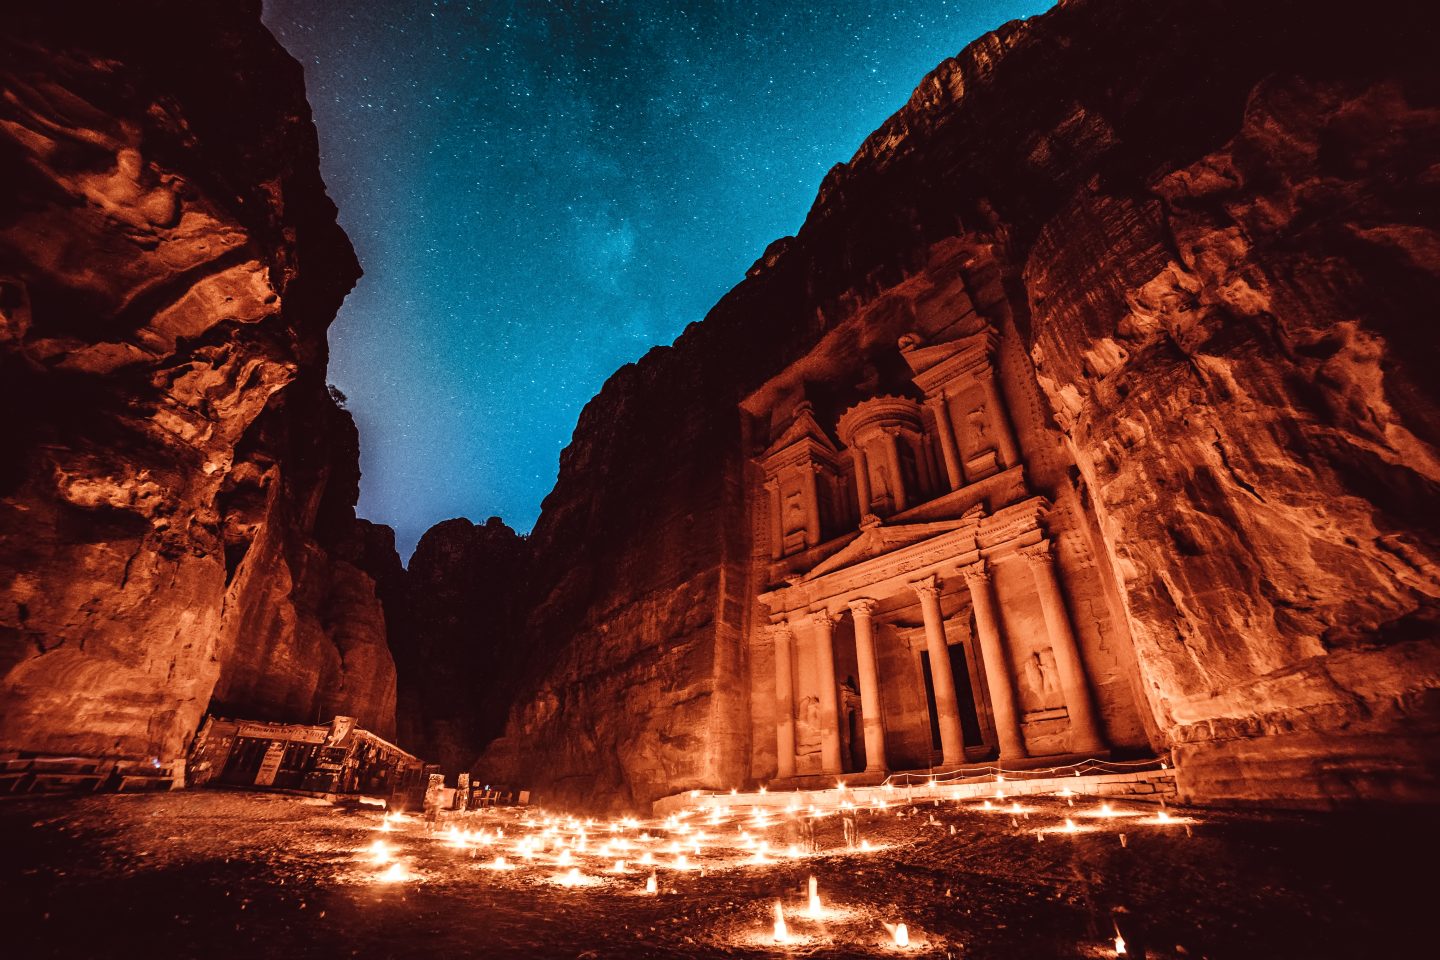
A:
x: 219, y: 874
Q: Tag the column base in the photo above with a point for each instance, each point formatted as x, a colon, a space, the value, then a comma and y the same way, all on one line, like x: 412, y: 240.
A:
x: 827, y: 781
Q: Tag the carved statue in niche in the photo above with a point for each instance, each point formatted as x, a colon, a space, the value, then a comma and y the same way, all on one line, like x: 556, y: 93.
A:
x: 794, y: 510
x: 1042, y: 678
x: 807, y: 726
x: 882, y: 473
x: 977, y: 422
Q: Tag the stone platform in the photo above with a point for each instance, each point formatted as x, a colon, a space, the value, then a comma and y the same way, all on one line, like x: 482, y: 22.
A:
x: 1090, y: 779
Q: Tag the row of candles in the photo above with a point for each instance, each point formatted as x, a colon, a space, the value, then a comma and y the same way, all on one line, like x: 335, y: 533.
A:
x: 704, y: 834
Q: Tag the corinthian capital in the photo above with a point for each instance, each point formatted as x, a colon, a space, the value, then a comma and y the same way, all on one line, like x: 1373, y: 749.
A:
x: 863, y: 607
x: 976, y: 573
x: 926, y: 589
x: 824, y: 618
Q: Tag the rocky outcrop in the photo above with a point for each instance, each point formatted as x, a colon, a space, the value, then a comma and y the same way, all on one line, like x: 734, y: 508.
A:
x: 1213, y: 228
x: 177, y: 490
x: 456, y: 638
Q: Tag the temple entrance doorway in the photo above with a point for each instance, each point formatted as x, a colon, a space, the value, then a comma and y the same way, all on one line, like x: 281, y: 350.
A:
x: 853, y: 715
x: 964, y: 694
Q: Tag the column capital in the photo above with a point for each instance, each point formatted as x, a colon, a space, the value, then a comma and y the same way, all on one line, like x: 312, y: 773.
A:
x: 770, y: 483
x: 780, y: 630
x: 825, y: 617
x: 937, y: 400
x: 977, y: 572
x: 864, y: 607
x: 927, y: 589
x: 1038, y: 554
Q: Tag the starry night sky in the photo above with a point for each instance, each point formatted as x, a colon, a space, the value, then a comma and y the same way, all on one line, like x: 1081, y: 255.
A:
x: 540, y: 192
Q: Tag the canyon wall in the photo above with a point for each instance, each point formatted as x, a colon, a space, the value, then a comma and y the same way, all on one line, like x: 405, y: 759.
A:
x: 1211, y: 232
x: 176, y: 483
x: 454, y: 631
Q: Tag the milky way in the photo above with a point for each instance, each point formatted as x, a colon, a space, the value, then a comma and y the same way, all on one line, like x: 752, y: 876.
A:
x: 540, y: 192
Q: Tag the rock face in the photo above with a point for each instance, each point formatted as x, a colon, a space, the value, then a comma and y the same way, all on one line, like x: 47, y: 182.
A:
x: 178, y: 486
x: 455, y: 638
x: 1208, y: 235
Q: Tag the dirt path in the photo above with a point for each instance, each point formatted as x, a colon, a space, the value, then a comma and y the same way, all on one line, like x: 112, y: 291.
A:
x: 213, y: 875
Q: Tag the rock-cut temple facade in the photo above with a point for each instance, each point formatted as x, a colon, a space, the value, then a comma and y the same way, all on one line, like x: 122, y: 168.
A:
x: 923, y: 599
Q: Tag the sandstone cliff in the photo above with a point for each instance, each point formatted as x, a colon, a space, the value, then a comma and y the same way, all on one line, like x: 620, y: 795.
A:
x: 456, y: 640
x: 1213, y: 228
x: 177, y: 489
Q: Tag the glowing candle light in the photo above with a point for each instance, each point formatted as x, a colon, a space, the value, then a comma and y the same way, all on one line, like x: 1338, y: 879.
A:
x: 793, y: 850
x: 681, y: 863
x: 865, y: 846
x: 782, y: 933
x: 499, y: 863
x: 1163, y: 817
x: 815, y: 908
x: 650, y: 885
x: 987, y: 805
x: 1119, y: 945
x: 902, y: 935
x: 395, y: 873
x: 619, y: 866
x: 380, y: 851
x: 1070, y: 825
x: 564, y: 858
x: 647, y: 858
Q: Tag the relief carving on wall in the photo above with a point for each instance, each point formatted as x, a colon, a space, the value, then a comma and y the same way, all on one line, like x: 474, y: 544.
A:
x: 807, y: 726
x: 1042, y: 679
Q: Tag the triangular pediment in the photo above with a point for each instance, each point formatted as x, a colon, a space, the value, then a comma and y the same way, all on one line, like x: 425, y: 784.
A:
x: 877, y: 540
x: 928, y: 357
x: 803, y: 428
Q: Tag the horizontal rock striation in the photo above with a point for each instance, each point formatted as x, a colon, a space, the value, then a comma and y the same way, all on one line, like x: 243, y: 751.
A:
x: 1213, y: 229
x: 176, y: 484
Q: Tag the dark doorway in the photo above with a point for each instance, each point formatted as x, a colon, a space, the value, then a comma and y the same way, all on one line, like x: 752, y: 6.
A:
x: 244, y: 760
x: 856, y: 727
x: 964, y: 696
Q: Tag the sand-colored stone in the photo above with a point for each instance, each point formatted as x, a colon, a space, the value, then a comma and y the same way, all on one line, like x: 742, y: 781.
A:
x: 177, y: 482
x: 1206, y: 240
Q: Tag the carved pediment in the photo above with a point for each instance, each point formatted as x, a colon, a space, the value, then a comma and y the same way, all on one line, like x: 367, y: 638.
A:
x: 803, y: 430
x: 939, y: 363
x: 876, y: 540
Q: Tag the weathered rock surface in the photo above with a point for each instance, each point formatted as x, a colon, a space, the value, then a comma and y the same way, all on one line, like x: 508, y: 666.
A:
x: 1214, y: 227
x: 456, y: 639
x: 177, y: 489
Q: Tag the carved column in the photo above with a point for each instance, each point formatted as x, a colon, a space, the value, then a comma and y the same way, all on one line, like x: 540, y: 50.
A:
x: 784, y: 700
x: 947, y: 706
x: 999, y: 419
x: 897, y: 479
x: 940, y: 406
x: 999, y: 676
x: 1085, y: 735
x: 777, y: 524
x: 829, y: 705
x: 812, y: 505
x: 862, y: 479
x: 869, y: 686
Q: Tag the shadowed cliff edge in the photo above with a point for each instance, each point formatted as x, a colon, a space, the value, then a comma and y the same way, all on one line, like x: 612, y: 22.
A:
x: 177, y: 526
